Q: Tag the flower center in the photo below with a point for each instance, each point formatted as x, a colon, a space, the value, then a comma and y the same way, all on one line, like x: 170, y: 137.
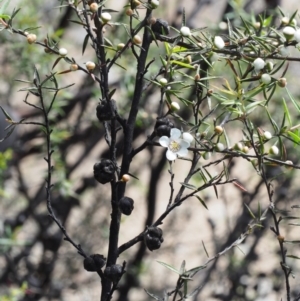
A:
x: 174, y: 146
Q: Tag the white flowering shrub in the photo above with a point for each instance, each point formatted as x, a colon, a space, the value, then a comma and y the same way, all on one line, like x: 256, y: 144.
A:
x: 136, y: 93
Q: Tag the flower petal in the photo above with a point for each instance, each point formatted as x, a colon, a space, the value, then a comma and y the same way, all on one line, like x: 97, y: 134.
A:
x: 184, y: 144
x: 175, y: 133
x: 182, y: 152
x: 164, y: 141
x: 187, y: 137
x: 170, y: 155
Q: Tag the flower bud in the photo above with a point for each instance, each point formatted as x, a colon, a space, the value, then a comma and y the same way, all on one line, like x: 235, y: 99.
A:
x: 104, y: 171
x: 185, y: 31
x: 94, y: 7
x: 290, y: 163
x: 126, y: 205
x: 289, y: 32
x: 206, y: 155
x: 220, y: 147
x: 90, y: 66
x: 63, y: 51
x: 153, y: 238
x: 73, y: 67
x: 125, y: 178
x: 219, y: 130
x: 129, y: 12
x: 136, y: 3
x: 31, y: 38
x: 219, y: 42
x: 280, y: 238
x: 163, y: 81
x: 154, y: 3
x: 274, y: 150
x: 269, y: 66
x: 137, y: 40
x: 245, y: 149
x: 187, y: 137
x: 266, y: 78
x: 267, y: 135
x: 175, y: 106
x: 285, y: 21
x: 197, y: 77
x: 282, y: 82
x: 238, y: 146
x: 105, y: 17
x: 258, y: 64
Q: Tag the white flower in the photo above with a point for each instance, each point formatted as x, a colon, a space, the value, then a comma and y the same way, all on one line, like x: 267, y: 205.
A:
x: 175, y: 106
x: 219, y: 42
x: 105, y: 17
x: 176, y: 146
x: 185, y: 31
x: 258, y: 64
x: 297, y: 35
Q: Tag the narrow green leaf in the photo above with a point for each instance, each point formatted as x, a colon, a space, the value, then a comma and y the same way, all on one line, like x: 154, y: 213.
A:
x: 201, y: 201
x: 293, y: 100
x: 5, y: 113
x: 293, y: 256
x: 205, y: 249
x: 250, y: 211
x: 85, y: 41
x: 294, y: 137
x: 169, y: 267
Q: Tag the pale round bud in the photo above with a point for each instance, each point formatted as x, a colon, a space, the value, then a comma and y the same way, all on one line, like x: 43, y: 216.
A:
x: 125, y: 178
x: 267, y: 135
x: 152, y: 21
x: 185, y: 31
x: 94, y: 7
x: 197, y: 77
x: 188, y: 59
x: 290, y: 163
x: 175, y: 106
x: 187, y: 137
x: 280, y: 238
x: 120, y: 46
x: 210, y: 92
x: 219, y: 42
x: 285, y: 21
x: 105, y: 17
x: 258, y: 64
x: 219, y: 130
x: 245, y: 149
x: 137, y: 40
x: 206, y: 155
x: 73, y: 67
x: 256, y: 25
x: 269, y: 66
x: 154, y: 3
x: 282, y: 82
x: 163, y: 81
x: 266, y: 78
x: 289, y: 32
x: 31, y: 38
x: 90, y: 66
x: 239, y: 146
x: 63, y: 51
x: 220, y: 147
x: 136, y: 3
x: 129, y: 12
x: 274, y: 150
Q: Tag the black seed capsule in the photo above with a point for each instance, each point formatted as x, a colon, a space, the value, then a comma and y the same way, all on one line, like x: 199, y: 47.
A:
x: 104, y: 171
x: 126, y: 205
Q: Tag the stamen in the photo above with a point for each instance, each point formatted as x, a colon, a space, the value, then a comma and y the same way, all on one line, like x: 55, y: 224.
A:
x: 174, y: 146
